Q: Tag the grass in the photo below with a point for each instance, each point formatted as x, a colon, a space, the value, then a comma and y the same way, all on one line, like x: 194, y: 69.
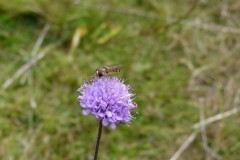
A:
x: 170, y: 69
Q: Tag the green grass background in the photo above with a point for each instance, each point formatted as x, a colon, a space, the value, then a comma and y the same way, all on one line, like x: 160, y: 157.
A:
x: 169, y: 65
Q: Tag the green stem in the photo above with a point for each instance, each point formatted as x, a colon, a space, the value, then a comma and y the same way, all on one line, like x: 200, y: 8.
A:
x: 98, y: 140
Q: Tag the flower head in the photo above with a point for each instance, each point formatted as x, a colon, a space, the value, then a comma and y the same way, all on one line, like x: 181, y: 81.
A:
x: 108, y: 99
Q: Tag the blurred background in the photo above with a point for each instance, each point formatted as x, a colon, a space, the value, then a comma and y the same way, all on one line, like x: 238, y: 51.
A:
x: 181, y: 58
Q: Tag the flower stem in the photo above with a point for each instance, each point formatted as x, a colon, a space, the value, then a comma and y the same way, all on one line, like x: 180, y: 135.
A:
x: 98, y: 139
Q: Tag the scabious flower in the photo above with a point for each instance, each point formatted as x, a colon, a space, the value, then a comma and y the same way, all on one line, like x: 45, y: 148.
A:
x: 108, y: 99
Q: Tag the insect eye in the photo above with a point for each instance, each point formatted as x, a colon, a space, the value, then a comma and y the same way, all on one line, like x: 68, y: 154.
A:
x: 99, y: 73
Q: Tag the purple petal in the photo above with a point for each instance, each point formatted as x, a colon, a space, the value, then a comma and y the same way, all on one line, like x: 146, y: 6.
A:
x: 109, y: 114
x: 118, y: 118
x: 105, y: 122
x: 86, y: 112
x: 112, y: 125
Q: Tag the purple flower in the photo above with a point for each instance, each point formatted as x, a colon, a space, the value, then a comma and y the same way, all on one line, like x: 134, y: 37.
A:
x: 108, y: 99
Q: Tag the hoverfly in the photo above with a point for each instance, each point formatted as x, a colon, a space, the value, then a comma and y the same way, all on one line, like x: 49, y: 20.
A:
x: 105, y: 71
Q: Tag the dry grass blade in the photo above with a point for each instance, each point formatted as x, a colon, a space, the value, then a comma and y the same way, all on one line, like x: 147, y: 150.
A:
x: 217, y: 117
x: 40, y: 39
x: 113, y: 32
x: 209, y: 152
x: 128, y: 11
x: 213, y: 27
x: 203, y: 127
x: 220, y: 116
x: 26, y: 67
x: 184, y: 146
x: 184, y: 16
x: 29, y: 142
x: 32, y: 61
